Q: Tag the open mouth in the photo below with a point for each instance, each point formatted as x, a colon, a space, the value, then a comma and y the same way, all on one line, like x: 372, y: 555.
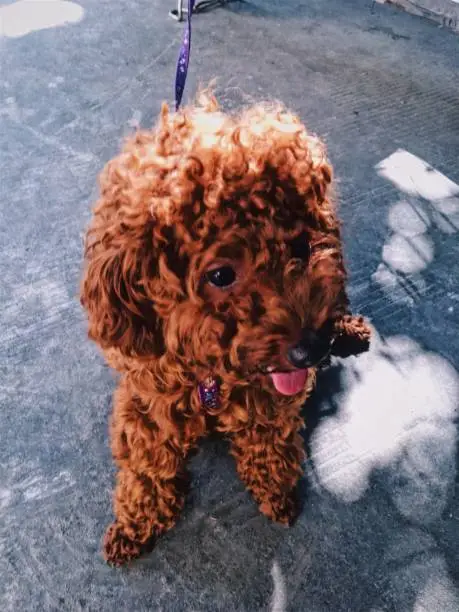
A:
x: 289, y: 383
x: 313, y: 351
x: 286, y: 382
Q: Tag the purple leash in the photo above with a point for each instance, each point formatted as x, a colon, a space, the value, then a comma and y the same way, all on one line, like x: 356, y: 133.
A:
x: 184, y: 58
x: 208, y: 390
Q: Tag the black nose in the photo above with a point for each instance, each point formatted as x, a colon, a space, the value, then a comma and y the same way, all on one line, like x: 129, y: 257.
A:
x: 310, y: 350
x: 299, y: 357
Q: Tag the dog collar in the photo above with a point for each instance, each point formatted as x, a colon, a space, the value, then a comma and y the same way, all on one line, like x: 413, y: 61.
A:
x: 209, y: 392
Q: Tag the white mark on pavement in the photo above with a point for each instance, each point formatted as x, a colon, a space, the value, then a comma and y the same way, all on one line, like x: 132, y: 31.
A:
x: 33, y: 487
x: 279, y: 596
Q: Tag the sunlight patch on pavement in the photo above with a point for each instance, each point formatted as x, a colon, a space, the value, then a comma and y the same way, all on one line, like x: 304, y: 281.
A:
x: 416, y: 569
x: 397, y: 413
x: 408, y: 255
x: 429, y: 200
x: 416, y: 177
x: 26, y: 16
x: 438, y: 591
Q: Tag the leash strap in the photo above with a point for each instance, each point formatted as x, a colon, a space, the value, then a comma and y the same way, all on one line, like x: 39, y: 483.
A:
x: 184, y: 58
x: 209, y: 389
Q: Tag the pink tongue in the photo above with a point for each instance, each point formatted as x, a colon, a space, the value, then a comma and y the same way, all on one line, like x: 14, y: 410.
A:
x: 290, y: 383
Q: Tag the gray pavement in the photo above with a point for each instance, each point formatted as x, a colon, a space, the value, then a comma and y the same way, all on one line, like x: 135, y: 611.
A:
x: 379, y: 529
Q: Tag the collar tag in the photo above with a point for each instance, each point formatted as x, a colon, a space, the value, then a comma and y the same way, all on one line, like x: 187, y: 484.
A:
x: 209, y: 392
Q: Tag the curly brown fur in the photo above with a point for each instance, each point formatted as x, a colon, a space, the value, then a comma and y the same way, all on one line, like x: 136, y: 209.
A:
x: 201, y: 191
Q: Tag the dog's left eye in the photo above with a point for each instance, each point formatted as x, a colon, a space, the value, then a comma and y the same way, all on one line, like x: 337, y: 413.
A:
x: 299, y: 247
x: 221, y: 277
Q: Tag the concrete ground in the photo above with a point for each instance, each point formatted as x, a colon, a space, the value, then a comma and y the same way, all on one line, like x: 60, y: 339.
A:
x: 444, y: 12
x: 379, y: 529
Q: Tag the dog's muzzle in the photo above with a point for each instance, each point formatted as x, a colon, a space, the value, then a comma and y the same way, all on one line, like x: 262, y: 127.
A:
x: 313, y: 347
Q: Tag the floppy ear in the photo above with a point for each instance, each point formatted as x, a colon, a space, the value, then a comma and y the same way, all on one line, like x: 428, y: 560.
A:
x: 113, y: 292
x: 121, y: 267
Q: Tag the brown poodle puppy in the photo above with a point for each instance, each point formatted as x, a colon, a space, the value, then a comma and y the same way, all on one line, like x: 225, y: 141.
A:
x: 214, y: 283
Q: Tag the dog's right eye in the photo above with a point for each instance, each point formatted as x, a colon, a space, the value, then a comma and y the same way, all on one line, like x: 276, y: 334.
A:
x: 221, y: 277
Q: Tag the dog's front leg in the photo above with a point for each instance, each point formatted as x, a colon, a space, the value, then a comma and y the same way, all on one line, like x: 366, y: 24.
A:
x: 268, y: 455
x: 151, y: 482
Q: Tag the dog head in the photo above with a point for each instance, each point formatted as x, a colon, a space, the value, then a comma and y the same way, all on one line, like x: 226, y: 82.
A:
x: 215, y: 245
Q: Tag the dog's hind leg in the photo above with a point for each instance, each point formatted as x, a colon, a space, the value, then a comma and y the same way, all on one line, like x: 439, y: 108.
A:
x: 151, y: 482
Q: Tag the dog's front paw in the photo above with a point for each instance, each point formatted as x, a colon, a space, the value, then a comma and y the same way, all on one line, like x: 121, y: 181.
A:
x: 353, y: 336
x: 118, y: 547
x: 283, y: 510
